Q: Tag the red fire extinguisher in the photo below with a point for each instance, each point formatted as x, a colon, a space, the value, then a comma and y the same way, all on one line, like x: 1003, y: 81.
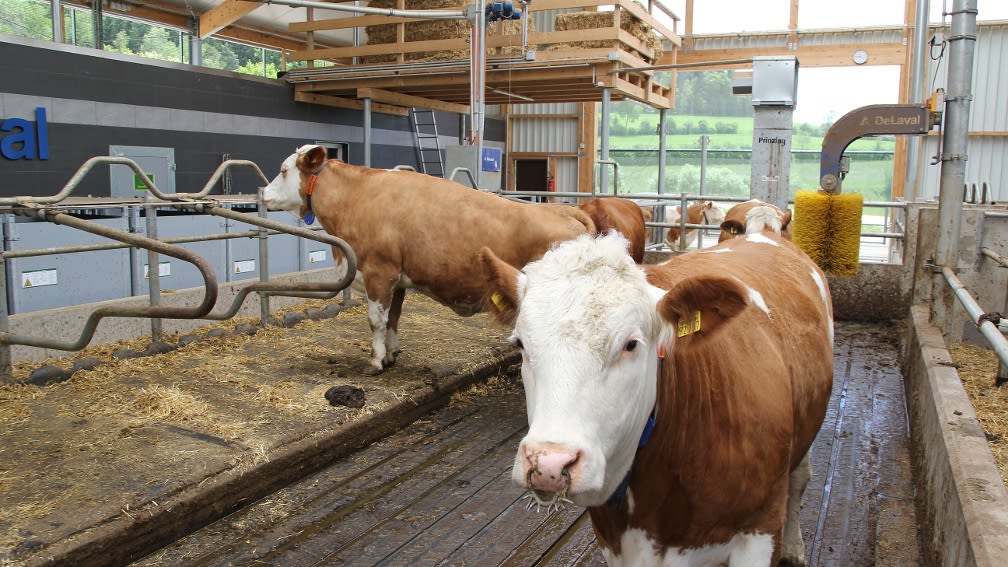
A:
x: 551, y: 185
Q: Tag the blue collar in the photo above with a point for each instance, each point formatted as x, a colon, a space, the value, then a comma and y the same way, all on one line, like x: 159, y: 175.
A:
x: 618, y: 496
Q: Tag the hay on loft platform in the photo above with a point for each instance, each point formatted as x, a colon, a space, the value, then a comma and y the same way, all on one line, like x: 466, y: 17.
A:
x: 593, y: 20
x: 436, y: 29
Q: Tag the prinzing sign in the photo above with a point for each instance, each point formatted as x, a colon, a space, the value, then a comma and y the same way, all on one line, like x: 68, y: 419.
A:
x: 21, y: 139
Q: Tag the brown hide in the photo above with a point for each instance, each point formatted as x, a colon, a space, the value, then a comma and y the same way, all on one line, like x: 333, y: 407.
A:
x: 735, y: 220
x: 624, y: 216
x: 430, y: 230
x: 694, y: 215
x: 739, y: 401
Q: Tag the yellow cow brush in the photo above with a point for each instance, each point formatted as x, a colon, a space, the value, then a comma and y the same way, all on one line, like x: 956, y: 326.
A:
x: 827, y: 227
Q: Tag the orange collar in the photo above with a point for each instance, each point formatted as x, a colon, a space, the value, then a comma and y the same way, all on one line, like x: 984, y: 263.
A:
x: 309, y: 215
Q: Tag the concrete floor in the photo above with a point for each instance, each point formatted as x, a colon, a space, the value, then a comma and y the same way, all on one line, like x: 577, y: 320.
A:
x: 438, y: 492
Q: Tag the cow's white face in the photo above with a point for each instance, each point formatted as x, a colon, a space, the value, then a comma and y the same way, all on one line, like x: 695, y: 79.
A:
x: 283, y: 193
x: 588, y: 329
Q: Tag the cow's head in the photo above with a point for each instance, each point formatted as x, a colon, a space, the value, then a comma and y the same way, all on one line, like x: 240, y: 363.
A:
x: 753, y: 217
x: 284, y: 192
x: 591, y: 328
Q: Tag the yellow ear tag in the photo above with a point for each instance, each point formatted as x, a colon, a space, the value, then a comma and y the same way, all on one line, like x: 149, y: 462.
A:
x: 687, y: 327
x: 498, y: 300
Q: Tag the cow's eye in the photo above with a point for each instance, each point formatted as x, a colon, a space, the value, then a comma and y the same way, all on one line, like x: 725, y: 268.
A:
x: 631, y: 345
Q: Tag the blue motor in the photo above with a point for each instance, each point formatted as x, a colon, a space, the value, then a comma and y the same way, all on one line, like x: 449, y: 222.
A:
x: 503, y: 10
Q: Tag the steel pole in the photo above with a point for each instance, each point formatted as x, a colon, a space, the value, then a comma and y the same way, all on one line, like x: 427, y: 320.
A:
x: 962, y: 41
x: 918, y: 65
x: 604, y: 144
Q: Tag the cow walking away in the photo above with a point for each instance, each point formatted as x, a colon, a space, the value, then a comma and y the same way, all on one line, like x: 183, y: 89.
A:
x: 701, y: 212
x: 622, y: 215
x: 676, y: 401
x: 410, y: 230
x: 755, y: 216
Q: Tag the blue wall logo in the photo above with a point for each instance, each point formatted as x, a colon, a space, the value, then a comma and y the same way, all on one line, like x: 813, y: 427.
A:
x: 21, y: 139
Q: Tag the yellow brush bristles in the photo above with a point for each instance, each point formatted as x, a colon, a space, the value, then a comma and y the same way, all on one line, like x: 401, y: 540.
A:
x: 828, y: 228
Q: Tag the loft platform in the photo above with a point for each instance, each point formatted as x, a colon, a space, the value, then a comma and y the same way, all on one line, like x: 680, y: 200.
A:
x: 585, y: 51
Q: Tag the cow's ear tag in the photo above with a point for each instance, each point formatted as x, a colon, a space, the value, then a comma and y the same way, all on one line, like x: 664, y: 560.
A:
x: 309, y: 217
x: 498, y: 300
x: 688, y: 326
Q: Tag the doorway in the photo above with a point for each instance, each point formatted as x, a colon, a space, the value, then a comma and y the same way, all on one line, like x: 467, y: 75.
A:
x: 531, y: 175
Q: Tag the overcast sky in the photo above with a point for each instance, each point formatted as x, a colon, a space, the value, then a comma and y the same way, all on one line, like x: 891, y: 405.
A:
x: 825, y: 94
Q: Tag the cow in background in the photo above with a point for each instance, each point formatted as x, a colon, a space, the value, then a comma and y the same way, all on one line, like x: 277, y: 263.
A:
x: 410, y: 230
x: 755, y: 216
x: 701, y: 212
x: 622, y: 215
x: 676, y: 401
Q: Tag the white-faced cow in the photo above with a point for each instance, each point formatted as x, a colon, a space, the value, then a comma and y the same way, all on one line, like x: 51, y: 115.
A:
x: 753, y: 217
x: 701, y: 212
x: 410, y: 230
x: 677, y: 402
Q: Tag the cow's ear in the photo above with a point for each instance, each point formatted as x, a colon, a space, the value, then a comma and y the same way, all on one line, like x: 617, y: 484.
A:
x: 698, y: 308
x: 502, y: 280
x: 310, y: 160
x: 732, y: 227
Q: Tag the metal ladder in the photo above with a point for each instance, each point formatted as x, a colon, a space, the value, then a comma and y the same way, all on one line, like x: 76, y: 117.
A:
x: 427, y: 145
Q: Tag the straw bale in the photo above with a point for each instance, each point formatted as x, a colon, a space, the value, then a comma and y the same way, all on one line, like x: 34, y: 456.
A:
x: 593, y: 20
x: 434, y: 30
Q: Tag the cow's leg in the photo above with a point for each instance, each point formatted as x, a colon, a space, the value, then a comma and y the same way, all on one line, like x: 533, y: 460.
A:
x: 380, y: 289
x: 751, y: 549
x: 793, y: 552
x: 392, y: 328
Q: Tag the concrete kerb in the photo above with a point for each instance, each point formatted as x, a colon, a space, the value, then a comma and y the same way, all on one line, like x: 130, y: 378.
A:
x: 128, y: 537
x: 962, y: 502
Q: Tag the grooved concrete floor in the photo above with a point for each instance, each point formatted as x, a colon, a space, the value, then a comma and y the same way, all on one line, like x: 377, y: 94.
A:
x: 437, y: 492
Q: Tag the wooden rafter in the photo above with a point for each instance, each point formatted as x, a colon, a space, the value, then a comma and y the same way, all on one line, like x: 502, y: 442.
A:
x: 223, y: 15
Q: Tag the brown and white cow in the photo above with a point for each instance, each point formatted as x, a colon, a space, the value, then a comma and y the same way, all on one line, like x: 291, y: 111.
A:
x: 676, y: 401
x: 755, y: 216
x: 701, y: 212
x: 410, y: 230
x: 622, y: 215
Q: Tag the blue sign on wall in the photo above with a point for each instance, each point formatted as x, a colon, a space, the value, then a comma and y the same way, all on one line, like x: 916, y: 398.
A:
x: 492, y: 159
x: 24, y: 140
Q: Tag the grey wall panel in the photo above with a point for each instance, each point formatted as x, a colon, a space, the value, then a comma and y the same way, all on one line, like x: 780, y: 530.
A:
x: 60, y: 280
x: 184, y: 274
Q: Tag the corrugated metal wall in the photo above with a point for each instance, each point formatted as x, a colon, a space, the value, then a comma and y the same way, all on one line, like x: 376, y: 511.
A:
x: 550, y: 136
x: 988, y: 144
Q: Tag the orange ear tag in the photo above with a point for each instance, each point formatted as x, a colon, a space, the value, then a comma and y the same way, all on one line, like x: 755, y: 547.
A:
x: 661, y: 351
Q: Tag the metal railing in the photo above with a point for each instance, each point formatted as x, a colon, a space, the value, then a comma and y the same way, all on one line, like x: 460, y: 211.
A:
x: 53, y: 209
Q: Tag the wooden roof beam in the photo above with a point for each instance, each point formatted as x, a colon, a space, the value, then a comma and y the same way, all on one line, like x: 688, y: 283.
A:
x: 352, y: 104
x: 223, y: 15
x: 400, y: 99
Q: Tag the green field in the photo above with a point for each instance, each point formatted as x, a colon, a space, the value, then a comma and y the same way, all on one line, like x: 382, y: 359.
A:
x: 870, y: 173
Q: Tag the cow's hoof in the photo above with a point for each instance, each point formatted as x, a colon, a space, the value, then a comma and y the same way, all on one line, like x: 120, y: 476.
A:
x: 371, y: 371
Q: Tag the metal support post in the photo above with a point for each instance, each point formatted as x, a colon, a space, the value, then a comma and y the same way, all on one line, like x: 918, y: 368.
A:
x: 264, y: 273
x: 604, y: 143
x: 917, y: 70
x: 153, y: 271
x: 962, y: 41
x: 367, y: 132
